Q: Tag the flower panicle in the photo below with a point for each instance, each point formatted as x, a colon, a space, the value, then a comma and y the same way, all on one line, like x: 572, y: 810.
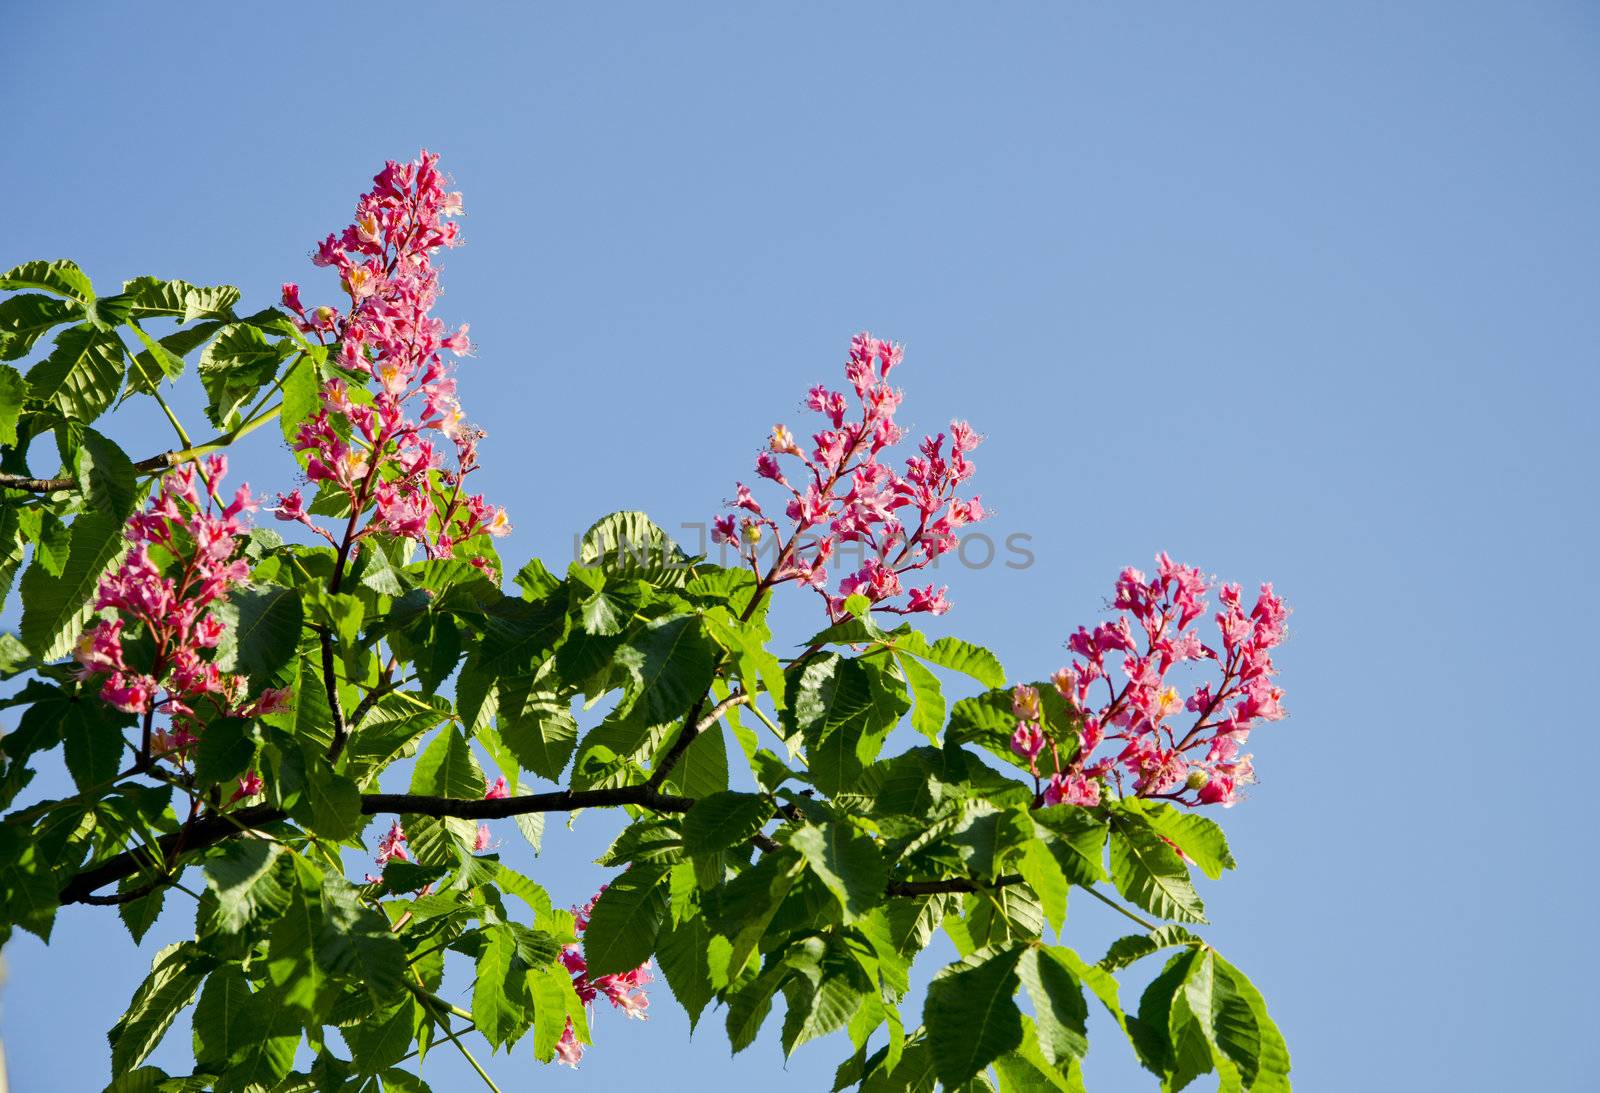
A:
x: 1200, y: 763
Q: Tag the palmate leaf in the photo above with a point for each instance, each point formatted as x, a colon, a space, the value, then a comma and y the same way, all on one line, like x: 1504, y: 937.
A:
x: 54, y: 609
x: 1199, y: 837
x: 1128, y: 950
x: 622, y: 931
x: 672, y: 661
x: 629, y: 544
x: 956, y: 655
x: 1246, y: 1047
x: 235, y: 366
x: 971, y: 1014
x: 263, y: 631
x: 847, y: 862
x: 1149, y: 873
x: 26, y: 318
x: 222, y: 1021
x: 681, y: 951
x: 175, y: 975
x: 151, y: 296
x: 1061, y: 1014
x: 721, y: 820
x: 500, y: 999
x: 13, y: 393
x: 356, y: 942
x: 536, y: 727
x: 82, y: 374
x: 243, y: 875
x: 61, y: 277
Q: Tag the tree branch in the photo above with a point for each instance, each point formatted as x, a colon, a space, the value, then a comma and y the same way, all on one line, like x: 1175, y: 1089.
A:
x: 948, y: 885
x: 220, y: 826
x: 691, y: 730
x: 498, y: 808
x: 161, y: 461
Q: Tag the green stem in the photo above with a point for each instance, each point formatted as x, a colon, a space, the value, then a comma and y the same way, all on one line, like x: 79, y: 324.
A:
x: 1119, y: 908
x: 435, y: 1003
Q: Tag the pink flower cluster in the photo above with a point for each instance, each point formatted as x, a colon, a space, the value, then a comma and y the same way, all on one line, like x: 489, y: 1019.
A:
x: 1198, y: 764
x: 361, y: 441
x: 842, y: 493
x: 183, y: 563
x: 625, y: 991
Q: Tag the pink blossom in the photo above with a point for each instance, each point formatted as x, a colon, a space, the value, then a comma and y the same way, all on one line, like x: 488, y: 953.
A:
x: 903, y: 522
x: 1028, y: 741
x: 249, y: 786
x: 624, y: 990
x: 392, y: 846
x: 1196, y: 764
x: 498, y: 790
x: 385, y: 260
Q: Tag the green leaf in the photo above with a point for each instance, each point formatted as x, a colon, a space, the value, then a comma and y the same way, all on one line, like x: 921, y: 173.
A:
x: 335, y: 803
x: 55, y: 609
x: 703, y: 768
x: 151, y: 296
x: 672, y: 662
x: 1232, y: 1016
x: 722, y: 820
x: 222, y: 1018
x: 1043, y: 874
x: 241, y: 874
x: 1149, y: 873
x: 847, y: 862
x: 355, y: 941
x: 1199, y: 837
x: 265, y: 1056
x: 264, y: 631
x: 957, y: 655
x: 627, y: 916
x: 971, y: 1014
x: 24, y: 319
x: 61, y: 277
x: 682, y: 953
x: 1077, y: 838
x: 93, y: 742
x: 235, y: 366
x: 499, y: 1000
x: 389, y: 731
x: 225, y: 750
x: 380, y: 1042
x: 301, y: 398
x: 138, y: 915
x: 538, y: 728
x: 13, y: 393
x: 291, y: 960
x: 928, y: 708
x: 447, y: 768
x: 174, y: 976
x: 628, y: 544
x: 27, y: 885
x: 82, y: 374
x: 518, y: 635
x: 403, y: 1081
x: 843, y: 711
x: 554, y: 1001
x: 1127, y: 950
x: 106, y: 475
x: 1060, y: 1012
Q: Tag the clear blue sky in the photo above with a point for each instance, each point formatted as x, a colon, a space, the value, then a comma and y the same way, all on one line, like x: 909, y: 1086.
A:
x: 1301, y: 293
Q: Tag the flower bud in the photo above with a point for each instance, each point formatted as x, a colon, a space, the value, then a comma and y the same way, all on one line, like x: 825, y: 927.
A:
x: 1197, y: 779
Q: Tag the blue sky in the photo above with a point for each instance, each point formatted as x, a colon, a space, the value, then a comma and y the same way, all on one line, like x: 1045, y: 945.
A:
x: 1302, y: 294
